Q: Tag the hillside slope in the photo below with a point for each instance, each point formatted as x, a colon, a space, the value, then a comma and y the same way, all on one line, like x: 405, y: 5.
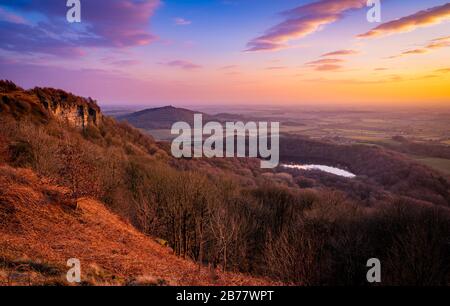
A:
x: 40, y: 229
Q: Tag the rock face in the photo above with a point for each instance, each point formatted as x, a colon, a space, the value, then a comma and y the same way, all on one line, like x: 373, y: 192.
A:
x: 77, y: 111
x: 77, y: 115
x: 45, y: 103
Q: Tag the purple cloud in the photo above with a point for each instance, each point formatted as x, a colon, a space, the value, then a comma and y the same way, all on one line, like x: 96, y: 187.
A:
x: 28, y: 39
x: 428, y: 17
x: 325, y: 61
x: 105, y: 23
x: 328, y: 67
x: 326, y: 64
x: 185, y: 65
x: 302, y: 21
x: 120, y: 62
x: 340, y: 53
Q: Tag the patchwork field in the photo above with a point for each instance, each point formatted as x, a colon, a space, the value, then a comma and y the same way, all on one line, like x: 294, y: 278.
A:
x: 439, y: 164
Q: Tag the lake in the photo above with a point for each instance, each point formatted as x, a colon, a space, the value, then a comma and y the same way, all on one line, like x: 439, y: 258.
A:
x: 327, y: 169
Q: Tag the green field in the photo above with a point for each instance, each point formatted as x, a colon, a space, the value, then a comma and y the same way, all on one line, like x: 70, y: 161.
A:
x: 439, y: 164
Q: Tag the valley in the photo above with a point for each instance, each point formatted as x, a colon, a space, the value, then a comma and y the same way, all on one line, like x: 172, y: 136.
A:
x: 422, y: 135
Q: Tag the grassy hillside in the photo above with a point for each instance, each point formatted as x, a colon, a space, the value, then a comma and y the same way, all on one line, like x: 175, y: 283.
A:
x: 41, y: 227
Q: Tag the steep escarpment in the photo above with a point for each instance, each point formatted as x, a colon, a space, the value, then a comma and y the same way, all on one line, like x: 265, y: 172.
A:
x: 43, y: 103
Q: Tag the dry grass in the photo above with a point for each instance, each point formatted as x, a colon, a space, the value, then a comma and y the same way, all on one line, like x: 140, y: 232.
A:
x: 40, y: 231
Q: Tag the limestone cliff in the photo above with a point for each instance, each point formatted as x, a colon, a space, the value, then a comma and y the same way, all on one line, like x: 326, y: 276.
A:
x: 77, y: 111
x: 45, y: 103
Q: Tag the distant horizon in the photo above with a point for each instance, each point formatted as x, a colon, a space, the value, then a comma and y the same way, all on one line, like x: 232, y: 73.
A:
x: 310, y: 105
x: 225, y: 108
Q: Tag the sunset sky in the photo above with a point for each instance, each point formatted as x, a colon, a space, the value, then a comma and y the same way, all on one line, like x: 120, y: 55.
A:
x: 186, y: 52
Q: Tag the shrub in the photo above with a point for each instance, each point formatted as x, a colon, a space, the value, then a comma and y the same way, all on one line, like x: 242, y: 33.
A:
x: 21, y: 154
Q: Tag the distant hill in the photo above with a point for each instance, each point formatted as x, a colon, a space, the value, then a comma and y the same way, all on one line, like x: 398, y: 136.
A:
x: 162, y: 117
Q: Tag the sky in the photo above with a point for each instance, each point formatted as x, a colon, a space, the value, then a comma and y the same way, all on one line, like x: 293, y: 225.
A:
x: 231, y: 52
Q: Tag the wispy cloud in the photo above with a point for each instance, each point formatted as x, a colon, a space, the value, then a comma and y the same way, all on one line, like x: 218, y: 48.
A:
x: 409, y: 23
x: 276, y: 68
x: 302, y: 21
x: 443, y: 70
x: 327, y: 67
x: 10, y: 17
x: 385, y: 79
x: 325, y: 61
x: 181, y: 21
x: 120, y: 62
x: 233, y: 73
x: 185, y: 65
x: 228, y: 67
x: 437, y: 43
x: 29, y: 39
x: 425, y: 77
x: 331, y: 64
x: 340, y: 53
x: 326, y: 64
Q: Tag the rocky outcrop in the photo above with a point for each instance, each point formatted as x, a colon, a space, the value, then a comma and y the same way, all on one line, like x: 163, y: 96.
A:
x: 77, y: 111
x: 45, y: 103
